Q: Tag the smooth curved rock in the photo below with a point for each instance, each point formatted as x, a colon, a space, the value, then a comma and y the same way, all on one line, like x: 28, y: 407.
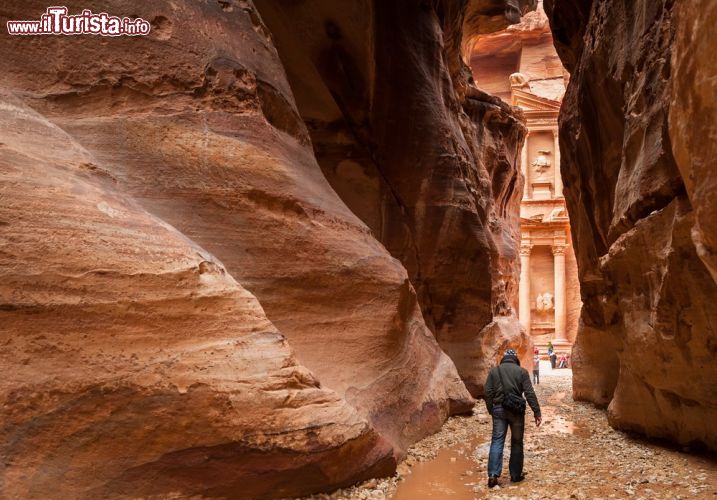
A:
x: 428, y: 161
x: 134, y: 363
x: 195, y: 130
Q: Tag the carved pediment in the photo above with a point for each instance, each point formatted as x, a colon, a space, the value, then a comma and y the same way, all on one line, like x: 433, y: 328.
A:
x: 529, y: 101
x: 557, y: 214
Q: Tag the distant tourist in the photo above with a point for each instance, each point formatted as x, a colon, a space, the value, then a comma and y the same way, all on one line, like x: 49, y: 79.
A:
x: 563, y: 361
x: 536, y: 365
x: 551, y: 354
x: 504, y: 391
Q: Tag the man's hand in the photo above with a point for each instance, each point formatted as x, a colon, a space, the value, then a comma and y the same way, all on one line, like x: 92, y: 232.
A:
x: 538, y: 420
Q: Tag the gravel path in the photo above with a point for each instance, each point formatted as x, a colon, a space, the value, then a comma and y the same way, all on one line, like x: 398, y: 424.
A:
x: 574, y: 454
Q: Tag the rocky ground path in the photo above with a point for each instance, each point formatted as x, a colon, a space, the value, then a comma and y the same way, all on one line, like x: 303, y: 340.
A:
x: 574, y: 454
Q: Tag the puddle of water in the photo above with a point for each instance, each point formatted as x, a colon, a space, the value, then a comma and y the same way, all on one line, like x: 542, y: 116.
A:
x: 451, y: 474
x: 557, y: 424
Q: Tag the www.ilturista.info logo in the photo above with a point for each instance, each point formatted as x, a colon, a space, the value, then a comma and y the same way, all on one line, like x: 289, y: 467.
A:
x: 56, y: 22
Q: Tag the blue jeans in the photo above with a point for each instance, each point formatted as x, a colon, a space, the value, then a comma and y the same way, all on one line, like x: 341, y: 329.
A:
x: 502, y: 419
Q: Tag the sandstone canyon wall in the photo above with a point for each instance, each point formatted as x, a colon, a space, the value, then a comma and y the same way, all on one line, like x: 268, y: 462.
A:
x: 639, y: 178
x: 186, y: 303
x: 426, y: 160
x: 139, y: 330
x: 134, y: 364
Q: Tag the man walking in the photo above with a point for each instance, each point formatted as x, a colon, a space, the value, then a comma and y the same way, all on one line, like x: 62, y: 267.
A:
x: 536, y: 366
x: 504, y: 391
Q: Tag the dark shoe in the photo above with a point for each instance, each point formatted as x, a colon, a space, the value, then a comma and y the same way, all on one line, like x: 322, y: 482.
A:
x: 518, y: 479
x: 492, y: 481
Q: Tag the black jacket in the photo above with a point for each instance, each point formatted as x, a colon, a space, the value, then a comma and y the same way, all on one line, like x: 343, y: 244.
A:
x: 516, y: 380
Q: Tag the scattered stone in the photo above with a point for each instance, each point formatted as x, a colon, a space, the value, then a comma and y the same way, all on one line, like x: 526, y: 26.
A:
x: 570, y: 466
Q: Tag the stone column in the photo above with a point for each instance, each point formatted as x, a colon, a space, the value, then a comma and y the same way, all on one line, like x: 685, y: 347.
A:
x: 557, y: 179
x: 524, y: 168
x: 524, y: 290
x: 560, y: 305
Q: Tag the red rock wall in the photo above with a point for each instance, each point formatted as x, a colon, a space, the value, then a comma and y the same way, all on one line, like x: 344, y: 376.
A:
x: 639, y: 195
x: 573, y: 300
x: 134, y: 363
x: 186, y: 302
x: 425, y: 159
x: 693, y: 118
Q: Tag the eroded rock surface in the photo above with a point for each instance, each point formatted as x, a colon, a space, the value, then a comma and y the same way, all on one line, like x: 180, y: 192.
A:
x: 163, y: 249
x: 428, y: 161
x: 693, y: 118
x: 134, y: 364
x: 637, y: 192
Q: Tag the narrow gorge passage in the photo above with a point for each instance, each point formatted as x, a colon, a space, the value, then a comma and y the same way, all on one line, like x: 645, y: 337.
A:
x: 574, y: 454
x: 258, y: 249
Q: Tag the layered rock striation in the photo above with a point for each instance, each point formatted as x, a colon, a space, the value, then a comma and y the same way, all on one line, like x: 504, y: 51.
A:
x: 162, y: 253
x: 187, y: 304
x: 135, y: 363
x: 638, y: 176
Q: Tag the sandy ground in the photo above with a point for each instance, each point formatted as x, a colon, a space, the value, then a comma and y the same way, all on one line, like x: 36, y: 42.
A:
x: 574, y: 454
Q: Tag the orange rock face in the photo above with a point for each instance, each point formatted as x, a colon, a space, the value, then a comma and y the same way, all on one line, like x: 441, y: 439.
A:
x: 188, y: 305
x: 637, y: 191
x: 693, y: 118
x: 178, y: 188
x: 135, y: 363
x: 426, y: 160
